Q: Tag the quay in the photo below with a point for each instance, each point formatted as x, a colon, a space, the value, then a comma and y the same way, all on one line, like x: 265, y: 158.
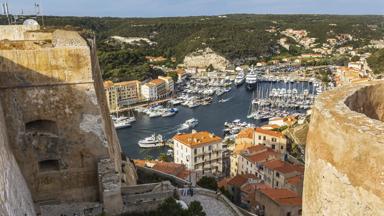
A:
x: 145, y: 104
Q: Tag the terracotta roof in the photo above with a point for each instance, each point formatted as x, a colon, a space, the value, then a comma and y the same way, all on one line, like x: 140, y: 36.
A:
x: 126, y: 83
x: 108, y: 84
x: 283, y: 167
x: 239, y: 180
x: 197, y: 139
x: 269, y: 132
x: 270, y: 126
x: 295, y: 180
x: 263, y: 156
x: 246, y: 133
x: 169, y: 168
x: 256, y: 149
x: 157, y: 81
x: 282, y: 196
x: 223, y: 182
x: 241, y: 147
x: 250, y: 187
x: 184, y: 174
x: 139, y: 163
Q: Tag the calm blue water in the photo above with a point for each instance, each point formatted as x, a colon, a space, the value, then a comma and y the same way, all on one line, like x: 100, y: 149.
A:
x: 211, y: 118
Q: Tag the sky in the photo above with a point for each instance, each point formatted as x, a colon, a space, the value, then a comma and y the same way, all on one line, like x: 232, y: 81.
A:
x: 165, y: 8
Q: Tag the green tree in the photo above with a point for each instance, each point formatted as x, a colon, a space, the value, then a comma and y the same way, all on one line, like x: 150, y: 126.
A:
x: 208, y: 183
x: 164, y: 157
x: 210, y: 68
x: 195, y: 209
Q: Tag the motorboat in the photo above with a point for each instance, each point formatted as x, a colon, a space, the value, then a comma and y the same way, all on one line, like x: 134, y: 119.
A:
x: 168, y: 114
x: 191, y: 123
x: 121, y: 123
x: 151, y: 142
x: 240, y: 79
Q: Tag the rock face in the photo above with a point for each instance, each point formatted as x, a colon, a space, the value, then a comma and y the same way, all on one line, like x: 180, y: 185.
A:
x: 344, y: 173
x: 204, y: 58
x: 56, y: 116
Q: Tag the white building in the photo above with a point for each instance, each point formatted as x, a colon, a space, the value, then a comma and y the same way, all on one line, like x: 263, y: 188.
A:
x: 149, y: 91
x: 199, y: 151
x: 170, y: 85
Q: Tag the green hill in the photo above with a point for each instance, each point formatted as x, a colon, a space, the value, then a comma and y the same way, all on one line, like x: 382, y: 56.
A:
x: 376, y: 62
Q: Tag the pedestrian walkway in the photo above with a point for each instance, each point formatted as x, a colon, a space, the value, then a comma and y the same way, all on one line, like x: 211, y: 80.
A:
x: 211, y: 206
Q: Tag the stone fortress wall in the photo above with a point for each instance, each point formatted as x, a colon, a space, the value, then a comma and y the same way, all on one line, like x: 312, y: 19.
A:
x: 55, y: 117
x: 344, y: 173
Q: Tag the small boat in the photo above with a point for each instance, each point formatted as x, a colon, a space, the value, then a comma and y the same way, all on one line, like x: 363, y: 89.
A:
x: 170, y: 152
x: 119, y: 124
x: 154, y: 114
x: 224, y: 100
x: 190, y: 123
x: 168, y: 114
x: 240, y: 79
x: 152, y: 141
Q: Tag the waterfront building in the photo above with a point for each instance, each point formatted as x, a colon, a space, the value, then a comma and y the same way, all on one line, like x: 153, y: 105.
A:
x: 149, y: 91
x: 199, y: 151
x: 181, y: 74
x: 272, y: 139
x: 122, y: 93
x: 170, y: 85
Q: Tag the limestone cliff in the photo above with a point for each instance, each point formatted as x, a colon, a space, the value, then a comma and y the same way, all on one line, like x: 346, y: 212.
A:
x: 344, y: 152
x: 204, y: 58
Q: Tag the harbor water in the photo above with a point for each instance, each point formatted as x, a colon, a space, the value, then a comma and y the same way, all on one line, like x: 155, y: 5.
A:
x: 211, y: 118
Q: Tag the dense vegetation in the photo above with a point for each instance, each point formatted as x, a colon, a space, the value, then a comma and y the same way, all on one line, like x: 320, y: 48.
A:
x: 376, y: 62
x: 171, y: 208
x: 208, y: 183
x: 240, y: 38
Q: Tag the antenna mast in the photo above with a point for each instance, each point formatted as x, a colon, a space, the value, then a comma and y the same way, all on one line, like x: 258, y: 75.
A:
x: 6, y: 12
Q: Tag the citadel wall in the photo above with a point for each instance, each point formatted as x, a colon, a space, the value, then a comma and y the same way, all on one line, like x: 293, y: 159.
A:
x: 57, y: 120
x: 344, y: 173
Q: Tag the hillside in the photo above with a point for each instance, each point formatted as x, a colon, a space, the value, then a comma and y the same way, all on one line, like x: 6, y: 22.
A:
x: 376, y: 62
x: 241, y: 38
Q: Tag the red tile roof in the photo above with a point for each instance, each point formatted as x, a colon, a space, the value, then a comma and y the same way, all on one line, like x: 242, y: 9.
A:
x: 295, y: 180
x: 239, y: 180
x: 169, y: 168
x: 197, y: 139
x: 269, y: 132
x: 283, y: 166
x: 282, y: 196
x: 269, y: 154
x: 250, y: 187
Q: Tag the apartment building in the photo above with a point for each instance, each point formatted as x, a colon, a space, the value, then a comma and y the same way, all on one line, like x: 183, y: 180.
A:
x: 251, y: 160
x: 170, y: 85
x: 122, y: 93
x: 277, y: 172
x: 157, y: 88
x: 272, y: 139
x: 199, y: 151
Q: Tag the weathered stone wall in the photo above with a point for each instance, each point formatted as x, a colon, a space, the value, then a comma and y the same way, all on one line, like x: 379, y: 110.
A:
x: 15, y: 198
x: 344, y: 173
x: 15, y: 32
x: 57, y: 119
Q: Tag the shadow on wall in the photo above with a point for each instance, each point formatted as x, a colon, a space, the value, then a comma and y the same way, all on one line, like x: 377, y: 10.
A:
x: 58, y: 130
x: 369, y: 101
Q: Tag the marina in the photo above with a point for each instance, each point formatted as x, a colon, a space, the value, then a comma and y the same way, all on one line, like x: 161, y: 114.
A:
x: 224, y: 113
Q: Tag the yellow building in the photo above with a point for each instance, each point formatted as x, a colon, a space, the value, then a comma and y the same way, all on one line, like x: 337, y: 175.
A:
x: 122, y: 93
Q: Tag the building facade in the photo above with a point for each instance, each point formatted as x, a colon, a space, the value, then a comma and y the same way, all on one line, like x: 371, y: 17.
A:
x: 272, y: 139
x: 122, y: 93
x: 199, y: 151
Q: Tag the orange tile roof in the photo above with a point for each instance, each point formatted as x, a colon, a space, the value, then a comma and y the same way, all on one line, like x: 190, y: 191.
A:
x: 241, y: 147
x: 223, y: 182
x: 256, y: 149
x: 283, y: 167
x: 264, y: 156
x: 157, y: 81
x: 282, y: 196
x: 246, y: 133
x: 197, y: 139
x: 239, y: 180
x: 108, y: 84
x: 269, y: 132
x: 295, y: 180
x: 272, y: 126
x: 126, y: 83
x: 169, y: 168
x: 250, y: 187
x: 140, y: 163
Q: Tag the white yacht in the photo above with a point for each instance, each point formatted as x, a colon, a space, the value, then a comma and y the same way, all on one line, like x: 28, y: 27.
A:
x: 191, y: 123
x: 240, y: 78
x: 152, y: 141
x: 251, y: 80
x: 121, y: 123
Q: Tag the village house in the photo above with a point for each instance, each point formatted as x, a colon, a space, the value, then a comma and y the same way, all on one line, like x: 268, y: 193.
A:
x: 277, y: 172
x: 247, y: 191
x: 276, y: 202
x: 122, y: 93
x: 272, y: 139
x: 252, y: 159
x: 200, y: 151
x: 233, y: 185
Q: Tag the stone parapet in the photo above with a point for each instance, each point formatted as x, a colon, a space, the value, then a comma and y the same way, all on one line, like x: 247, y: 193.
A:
x: 344, y: 172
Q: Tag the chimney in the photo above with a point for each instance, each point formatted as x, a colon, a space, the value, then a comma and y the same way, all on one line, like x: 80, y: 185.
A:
x: 194, y: 131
